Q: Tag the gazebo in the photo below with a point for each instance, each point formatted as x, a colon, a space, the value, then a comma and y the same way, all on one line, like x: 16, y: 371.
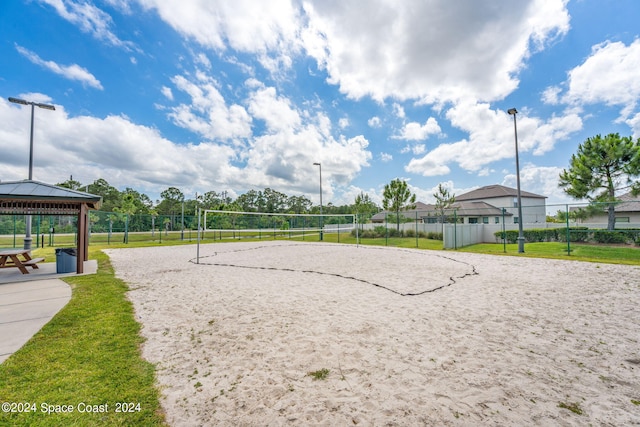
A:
x: 30, y: 197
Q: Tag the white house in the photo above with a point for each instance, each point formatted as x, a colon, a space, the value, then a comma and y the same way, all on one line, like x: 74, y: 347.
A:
x: 627, y: 212
x: 481, y: 206
x: 498, y: 196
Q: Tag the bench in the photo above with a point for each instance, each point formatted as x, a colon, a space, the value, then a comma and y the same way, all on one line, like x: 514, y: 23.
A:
x: 33, y: 262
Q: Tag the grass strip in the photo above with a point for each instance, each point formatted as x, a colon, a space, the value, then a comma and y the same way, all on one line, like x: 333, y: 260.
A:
x: 88, y: 354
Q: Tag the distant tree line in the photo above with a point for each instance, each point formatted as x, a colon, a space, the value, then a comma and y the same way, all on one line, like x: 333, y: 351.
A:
x: 173, y: 201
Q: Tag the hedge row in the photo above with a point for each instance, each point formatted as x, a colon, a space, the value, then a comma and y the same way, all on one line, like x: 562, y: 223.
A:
x: 380, y: 231
x: 576, y: 234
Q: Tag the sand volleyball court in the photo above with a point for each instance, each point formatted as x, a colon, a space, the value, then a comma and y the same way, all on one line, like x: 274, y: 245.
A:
x: 297, y: 334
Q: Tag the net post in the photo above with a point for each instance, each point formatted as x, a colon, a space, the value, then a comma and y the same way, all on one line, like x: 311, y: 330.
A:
x: 568, y: 232
x: 417, y: 229
x: 356, y: 225
x: 198, y: 245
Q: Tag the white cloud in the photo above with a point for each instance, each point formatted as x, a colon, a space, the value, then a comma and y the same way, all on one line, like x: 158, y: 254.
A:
x: 634, y: 124
x: 343, y: 123
x: 276, y: 111
x: 268, y: 29
x: 71, y: 72
x: 491, y: 138
x: 91, y: 19
x: 295, y: 139
x: 542, y: 180
x: 551, y: 95
x: 414, y: 131
x: 208, y: 113
x: 398, y: 110
x: 166, y: 91
x: 374, y: 122
x: 122, y: 5
x: 392, y: 59
x: 386, y: 157
x: 114, y: 148
x: 419, y: 149
x: 609, y: 76
x: 131, y: 155
x: 201, y: 59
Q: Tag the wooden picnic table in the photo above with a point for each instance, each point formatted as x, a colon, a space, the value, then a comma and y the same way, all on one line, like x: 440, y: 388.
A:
x: 18, y: 258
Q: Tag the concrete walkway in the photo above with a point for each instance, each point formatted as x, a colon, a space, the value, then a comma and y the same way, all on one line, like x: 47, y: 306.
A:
x: 25, y: 307
x: 29, y: 301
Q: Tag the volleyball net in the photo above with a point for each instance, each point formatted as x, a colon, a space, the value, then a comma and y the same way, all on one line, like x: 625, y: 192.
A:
x: 221, y: 225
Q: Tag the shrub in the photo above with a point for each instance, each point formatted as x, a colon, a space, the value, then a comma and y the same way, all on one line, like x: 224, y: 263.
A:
x: 541, y: 235
x: 605, y: 236
x: 394, y: 232
x: 510, y: 235
x: 380, y: 231
x: 576, y: 234
x: 434, y: 236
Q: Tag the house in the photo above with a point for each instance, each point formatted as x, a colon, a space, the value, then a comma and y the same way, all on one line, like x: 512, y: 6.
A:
x: 491, y: 204
x: 627, y: 211
x: 409, y: 214
x: 533, y: 205
x: 471, y: 212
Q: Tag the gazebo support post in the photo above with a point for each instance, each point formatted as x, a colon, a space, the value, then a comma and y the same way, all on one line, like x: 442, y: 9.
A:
x: 82, y: 251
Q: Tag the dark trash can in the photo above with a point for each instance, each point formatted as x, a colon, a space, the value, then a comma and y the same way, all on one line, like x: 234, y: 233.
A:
x: 66, y: 260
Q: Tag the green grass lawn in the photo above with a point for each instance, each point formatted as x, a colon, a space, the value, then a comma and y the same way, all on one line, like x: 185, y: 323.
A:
x: 579, y: 252
x: 90, y: 352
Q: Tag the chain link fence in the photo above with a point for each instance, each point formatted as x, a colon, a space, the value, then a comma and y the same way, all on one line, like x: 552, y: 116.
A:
x: 466, y: 224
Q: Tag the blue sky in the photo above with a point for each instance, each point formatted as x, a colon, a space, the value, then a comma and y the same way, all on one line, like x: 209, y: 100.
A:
x: 232, y: 96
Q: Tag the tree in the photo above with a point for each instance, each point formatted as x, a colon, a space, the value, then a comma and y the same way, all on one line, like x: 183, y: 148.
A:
x: 211, y: 200
x: 444, y: 200
x: 275, y: 201
x: 299, y: 204
x: 128, y: 208
x: 71, y: 184
x: 364, y: 207
x: 397, y: 197
x: 601, y: 168
x: 111, y: 197
x: 171, y: 203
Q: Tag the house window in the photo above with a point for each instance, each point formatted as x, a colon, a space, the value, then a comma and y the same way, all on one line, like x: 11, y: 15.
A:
x: 497, y: 220
x: 516, y: 220
x: 473, y: 220
x: 432, y: 220
x: 622, y: 219
x: 485, y: 220
x: 515, y: 202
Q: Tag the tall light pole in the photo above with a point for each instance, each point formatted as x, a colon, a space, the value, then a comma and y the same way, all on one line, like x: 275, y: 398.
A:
x: 321, y: 219
x: 513, y: 112
x: 27, y: 237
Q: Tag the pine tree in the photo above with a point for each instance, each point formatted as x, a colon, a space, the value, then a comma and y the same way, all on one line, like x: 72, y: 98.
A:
x: 601, y: 168
x: 397, y: 197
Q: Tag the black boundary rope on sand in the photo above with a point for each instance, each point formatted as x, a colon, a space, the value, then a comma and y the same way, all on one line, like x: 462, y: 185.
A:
x: 452, y: 279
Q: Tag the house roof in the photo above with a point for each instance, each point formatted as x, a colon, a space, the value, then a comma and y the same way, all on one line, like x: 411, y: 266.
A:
x: 626, y: 203
x: 410, y: 213
x: 471, y: 208
x: 465, y: 208
x: 35, y: 191
x: 494, y: 192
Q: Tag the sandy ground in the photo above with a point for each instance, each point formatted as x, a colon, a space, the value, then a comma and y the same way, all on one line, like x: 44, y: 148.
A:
x: 408, y: 337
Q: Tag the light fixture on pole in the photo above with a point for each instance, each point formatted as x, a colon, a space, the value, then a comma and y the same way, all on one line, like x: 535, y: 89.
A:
x: 321, y: 219
x: 27, y: 237
x: 513, y: 112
